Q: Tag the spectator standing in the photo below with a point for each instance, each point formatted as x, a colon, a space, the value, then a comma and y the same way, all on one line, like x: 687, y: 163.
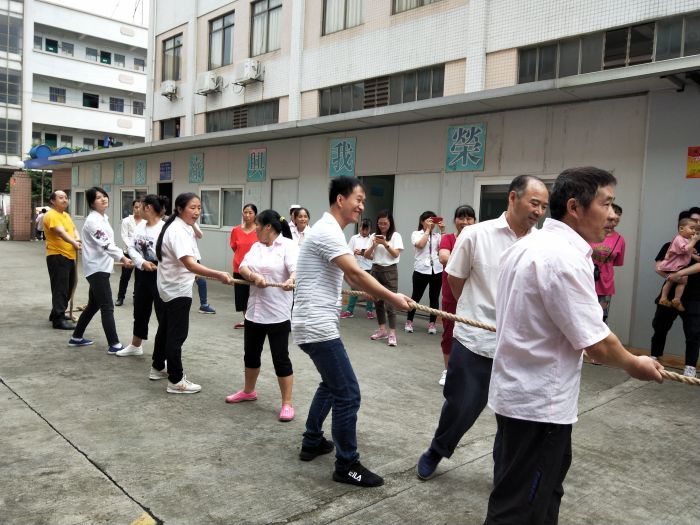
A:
x: 39, y: 225
x: 358, y: 245
x: 301, y: 225
x: 62, y: 245
x: 242, y: 238
x: 607, y: 255
x: 678, y: 256
x: 129, y: 224
x: 204, y: 306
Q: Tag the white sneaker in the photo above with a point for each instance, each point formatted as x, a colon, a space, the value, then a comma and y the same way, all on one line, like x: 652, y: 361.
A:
x: 432, y: 330
x: 689, y: 371
x: 183, y: 387
x: 130, y: 350
x: 443, y: 377
x: 155, y: 375
x: 408, y: 327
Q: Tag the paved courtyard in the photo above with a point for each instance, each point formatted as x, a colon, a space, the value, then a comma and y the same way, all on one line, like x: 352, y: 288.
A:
x: 86, y: 438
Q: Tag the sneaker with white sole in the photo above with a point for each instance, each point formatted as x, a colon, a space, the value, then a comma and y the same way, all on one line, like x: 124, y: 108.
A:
x: 443, y: 378
x: 80, y: 341
x: 408, y: 327
x: 431, y: 329
x: 183, y: 387
x: 155, y: 375
x: 113, y: 349
x: 130, y: 350
x: 689, y: 371
x: 206, y: 309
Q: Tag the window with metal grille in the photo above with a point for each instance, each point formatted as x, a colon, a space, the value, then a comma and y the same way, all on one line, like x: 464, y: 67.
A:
x: 116, y: 104
x: 119, y: 60
x: 246, y: 116
x: 139, y: 64
x: 57, y: 94
x: 91, y: 54
x: 170, y: 128
x: 9, y: 136
x: 67, y: 48
x: 138, y: 107
x: 11, y: 34
x: 10, y: 86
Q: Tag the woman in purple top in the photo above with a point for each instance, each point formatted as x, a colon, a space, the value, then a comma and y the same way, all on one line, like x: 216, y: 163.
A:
x: 606, y: 255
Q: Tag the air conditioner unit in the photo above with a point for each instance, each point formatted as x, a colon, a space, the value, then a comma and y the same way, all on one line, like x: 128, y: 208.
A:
x: 207, y: 83
x: 168, y: 89
x: 249, y: 71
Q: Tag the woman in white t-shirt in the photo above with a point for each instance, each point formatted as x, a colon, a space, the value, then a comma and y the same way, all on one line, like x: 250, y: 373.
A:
x: 273, y: 259
x: 385, y: 252
x: 177, y: 254
x: 301, y: 229
x: 141, y: 248
x: 427, y: 270
x: 358, y: 244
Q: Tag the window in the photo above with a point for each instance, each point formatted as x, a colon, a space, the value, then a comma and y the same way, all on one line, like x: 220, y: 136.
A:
x: 116, y: 104
x: 232, y: 206
x: 57, y: 94
x: 245, y: 116
x: 51, y: 139
x: 592, y: 53
x: 36, y: 137
x: 221, y: 41
x: 119, y: 60
x: 139, y: 64
x: 38, y: 42
x: 51, y: 45
x: 9, y: 137
x: 341, y: 14
x: 78, y: 204
x: 415, y: 85
x: 67, y: 49
x: 692, y: 36
x: 88, y: 144
x: 405, y: 5
x: 210, y: 208
x: 171, y: 58
x: 67, y: 140
x: 265, y: 26
x: 91, y: 54
x: 11, y: 34
x: 128, y: 197
x: 170, y: 128
x: 221, y: 206
x: 137, y: 107
x: 669, y: 36
x: 105, y: 57
x: 527, y: 65
x: 10, y: 86
x: 629, y: 46
x: 568, y: 57
x: 91, y: 101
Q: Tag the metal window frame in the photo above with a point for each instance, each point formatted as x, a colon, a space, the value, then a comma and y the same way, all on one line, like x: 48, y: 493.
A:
x: 173, y: 48
x: 266, y: 13
x: 222, y: 30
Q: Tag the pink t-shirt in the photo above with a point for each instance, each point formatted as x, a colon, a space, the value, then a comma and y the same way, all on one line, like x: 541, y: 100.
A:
x: 447, y: 242
x: 677, y: 256
x: 606, y: 255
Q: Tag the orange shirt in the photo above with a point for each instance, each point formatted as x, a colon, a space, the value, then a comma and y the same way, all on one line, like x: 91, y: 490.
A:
x: 240, y: 244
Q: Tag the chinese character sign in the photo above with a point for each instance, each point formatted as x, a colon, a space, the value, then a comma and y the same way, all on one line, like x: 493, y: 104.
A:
x: 465, y: 148
x: 140, y: 174
x: 118, y: 172
x: 693, y: 169
x: 257, y: 165
x: 341, y: 157
x: 196, y: 168
x: 166, y: 171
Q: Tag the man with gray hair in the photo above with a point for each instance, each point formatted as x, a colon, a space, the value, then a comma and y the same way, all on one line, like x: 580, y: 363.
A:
x: 472, y: 273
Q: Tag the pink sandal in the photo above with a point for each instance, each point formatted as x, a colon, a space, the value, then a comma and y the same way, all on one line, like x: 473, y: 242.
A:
x: 242, y: 396
x: 287, y: 413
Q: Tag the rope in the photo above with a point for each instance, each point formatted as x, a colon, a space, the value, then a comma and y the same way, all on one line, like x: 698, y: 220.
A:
x: 673, y: 376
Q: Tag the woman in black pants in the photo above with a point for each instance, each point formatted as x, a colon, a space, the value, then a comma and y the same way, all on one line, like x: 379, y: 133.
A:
x: 142, y: 251
x: 427, y: 270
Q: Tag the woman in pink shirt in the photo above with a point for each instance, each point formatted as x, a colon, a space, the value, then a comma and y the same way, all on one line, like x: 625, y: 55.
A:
x: 242, y: 238
x: 606, y: 255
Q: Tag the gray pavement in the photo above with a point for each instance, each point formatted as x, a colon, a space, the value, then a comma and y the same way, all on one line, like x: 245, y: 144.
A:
x: 87, y: 438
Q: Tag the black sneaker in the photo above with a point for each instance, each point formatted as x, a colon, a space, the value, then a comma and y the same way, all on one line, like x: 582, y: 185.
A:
x: 358, y: 475
x: 309, y: 453
x: 119, y: 302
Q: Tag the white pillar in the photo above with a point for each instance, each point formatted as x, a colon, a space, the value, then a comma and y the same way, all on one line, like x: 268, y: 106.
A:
x: 296, y: 60
x: 477, y: 20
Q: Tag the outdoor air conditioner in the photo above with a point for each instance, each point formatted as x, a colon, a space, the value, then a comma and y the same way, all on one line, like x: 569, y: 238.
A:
x: 249, y: 71
x: 168, y: 89
x: 207, y: 83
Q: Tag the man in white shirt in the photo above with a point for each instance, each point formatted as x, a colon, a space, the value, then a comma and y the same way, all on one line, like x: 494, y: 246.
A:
x: 547, y: 314
x: 128, y: 226
x: 472, y: 273
x: 324, y: 259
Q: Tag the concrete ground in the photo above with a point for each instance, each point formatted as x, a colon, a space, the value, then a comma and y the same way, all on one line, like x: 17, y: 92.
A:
x: 87, y: 438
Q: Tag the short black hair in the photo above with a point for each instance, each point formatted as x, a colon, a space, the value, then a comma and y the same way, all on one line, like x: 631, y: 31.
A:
x: 695, y: 210
x: 424, y: 216
x: 251, y: 206
x: 685, y: 214
x: 366, y: 224
x: 581, y: 184
x: 519, y: 184
x: 465, y: 211
x: 91, y: 195
x: 342, y: 186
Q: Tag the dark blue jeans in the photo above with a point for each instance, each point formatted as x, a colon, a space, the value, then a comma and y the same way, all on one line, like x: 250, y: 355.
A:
x: 338, y: 390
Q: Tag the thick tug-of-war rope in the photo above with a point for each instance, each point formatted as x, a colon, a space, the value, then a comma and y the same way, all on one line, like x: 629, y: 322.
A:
x: 672, y: 376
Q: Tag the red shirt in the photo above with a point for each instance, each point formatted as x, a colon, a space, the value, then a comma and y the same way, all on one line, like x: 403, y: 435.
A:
x: 606, y: 254
x: 240, y: 243
x: 447, y: 242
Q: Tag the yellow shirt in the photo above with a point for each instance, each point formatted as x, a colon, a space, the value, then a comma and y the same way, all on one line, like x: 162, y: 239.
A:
x: 55, y: 245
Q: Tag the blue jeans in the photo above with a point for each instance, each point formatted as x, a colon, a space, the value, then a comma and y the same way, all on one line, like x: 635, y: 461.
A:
x: 338, y: 390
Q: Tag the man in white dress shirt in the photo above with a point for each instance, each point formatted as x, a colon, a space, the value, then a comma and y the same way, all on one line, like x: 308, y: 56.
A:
x: 547, y: 314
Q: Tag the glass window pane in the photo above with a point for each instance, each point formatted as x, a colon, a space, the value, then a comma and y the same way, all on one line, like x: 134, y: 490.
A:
x: 527, y: 66
x: 228, y: 46
x: 438, y: 81
x: 346, y: 99
x: 568, y: 57
x: 215, y: 50
x: 424, y: 77
x: 547, y: 62
x: 615, y: 48
x: 335, y: 16
x: 395, y: 89
x: 127, y: 199
x: 668, y: 38
x: 79, y: 203
x: 335, y: 100
x: 274, y: 29
x: 591, y: 53
x: 692, y: 36
x: 217, y: 24
x: 358, y: 96
x: 409, y: 87
x: 641, y: 44
x: 325, y: 103
x: 210, y: 207
x: 233, y: 207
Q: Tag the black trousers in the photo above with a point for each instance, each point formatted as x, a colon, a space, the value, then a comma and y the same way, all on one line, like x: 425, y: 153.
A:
x: 124, y: 281
x: 278, y: 336
x: 62, y: 278
x: 531, y: 464
x: 99, y: 299
x: 240, y: 294
x: 663, y: 321
x: 146, y: 297
x: 421, y: 281
x: 172, y: 334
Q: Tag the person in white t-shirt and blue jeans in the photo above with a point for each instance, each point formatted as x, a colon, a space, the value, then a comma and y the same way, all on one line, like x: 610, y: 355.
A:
x: 358, y: 244
x: 324, y: 259
x: 177, y: 254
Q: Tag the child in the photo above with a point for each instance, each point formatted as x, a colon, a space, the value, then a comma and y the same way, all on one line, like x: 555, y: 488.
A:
x: 678, y: 256
x: 358, y: 244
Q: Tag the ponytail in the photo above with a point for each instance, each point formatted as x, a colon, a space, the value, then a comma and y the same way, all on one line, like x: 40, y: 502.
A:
x: 180, y: 203
x: 276, y: 222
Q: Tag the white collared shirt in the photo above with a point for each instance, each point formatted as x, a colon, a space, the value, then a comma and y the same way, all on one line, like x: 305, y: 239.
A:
x: 98, y: 248
x: 358, y: 242
x: 298, y: 236
x: 381, y: 256
x: 275, y: 263
x: 547, y: 312
x: 317, y: 300
x: 143, y: 243
x: 475, y: 258
x: 174, y: 279
x: 426, y: 260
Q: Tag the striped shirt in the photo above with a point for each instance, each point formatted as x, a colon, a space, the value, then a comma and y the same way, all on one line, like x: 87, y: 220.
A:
x: 317, y: 302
